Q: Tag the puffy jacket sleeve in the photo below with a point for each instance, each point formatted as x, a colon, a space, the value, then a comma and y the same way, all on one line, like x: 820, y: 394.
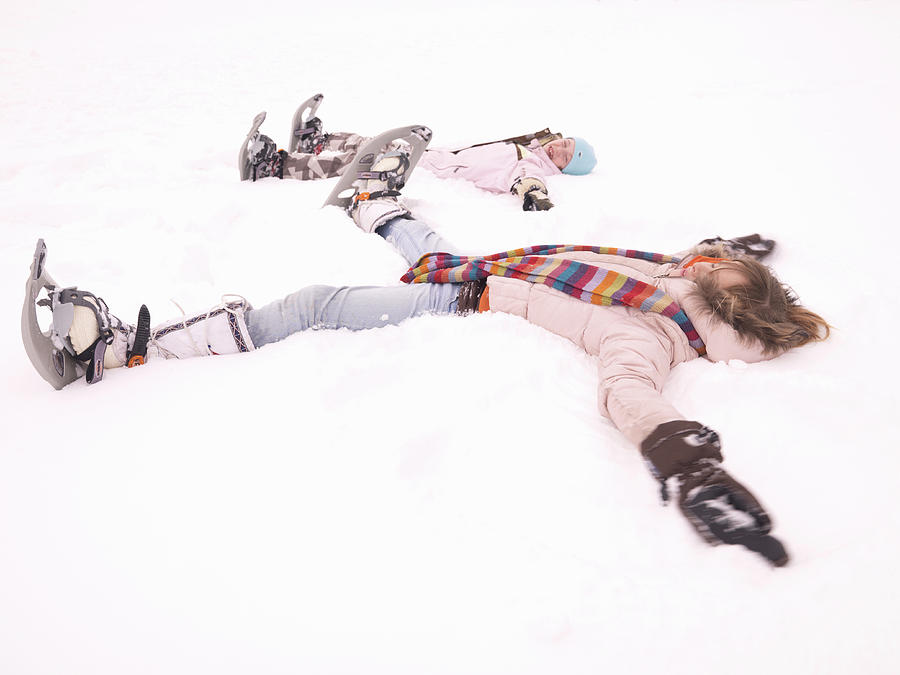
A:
x: 635, y: 361
x: 635, y: 351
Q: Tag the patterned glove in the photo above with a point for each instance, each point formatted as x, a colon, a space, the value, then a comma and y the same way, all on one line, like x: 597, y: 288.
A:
x: 536, y: 201
x: 721, y: 509
x: 533, y: 193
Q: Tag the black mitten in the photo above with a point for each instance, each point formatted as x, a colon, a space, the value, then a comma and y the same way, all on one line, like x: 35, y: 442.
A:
x: 722, y: 510
x: 753, y: 245
x: 469, y: 296
x: 535, y: 200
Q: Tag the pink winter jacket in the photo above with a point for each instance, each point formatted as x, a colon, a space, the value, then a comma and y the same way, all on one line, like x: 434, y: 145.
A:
x: 493, y: 167
x: 636, y: 350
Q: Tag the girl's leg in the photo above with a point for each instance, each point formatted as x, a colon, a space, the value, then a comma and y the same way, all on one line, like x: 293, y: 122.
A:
x: 342, y: 141
x: 353, y: 307
x: 413, y: 239
x: 340, y: 148
x: 303, y: 166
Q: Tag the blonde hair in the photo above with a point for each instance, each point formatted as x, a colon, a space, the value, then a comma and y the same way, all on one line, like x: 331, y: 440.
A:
x: 763, y: 308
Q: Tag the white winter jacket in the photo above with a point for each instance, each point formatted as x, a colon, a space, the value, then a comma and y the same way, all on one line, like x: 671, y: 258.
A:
x: 493, y: 167
x: 635, y: 349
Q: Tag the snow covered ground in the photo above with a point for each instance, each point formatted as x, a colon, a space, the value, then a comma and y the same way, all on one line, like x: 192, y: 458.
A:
x: 442, y: 497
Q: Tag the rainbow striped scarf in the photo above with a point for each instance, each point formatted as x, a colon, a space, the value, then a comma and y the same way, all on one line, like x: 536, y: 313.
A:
x: 587, y: 283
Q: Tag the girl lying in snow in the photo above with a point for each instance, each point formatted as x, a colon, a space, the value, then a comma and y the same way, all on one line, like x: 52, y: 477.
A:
x: 639, y: 313
x: 518, y: 165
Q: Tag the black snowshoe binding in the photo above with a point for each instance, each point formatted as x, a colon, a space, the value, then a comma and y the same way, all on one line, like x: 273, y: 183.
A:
x: 137, y: 354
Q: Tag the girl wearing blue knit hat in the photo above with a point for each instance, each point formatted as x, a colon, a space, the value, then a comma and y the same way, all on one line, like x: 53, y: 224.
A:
x: 519, y: 165
x: 581, y: 153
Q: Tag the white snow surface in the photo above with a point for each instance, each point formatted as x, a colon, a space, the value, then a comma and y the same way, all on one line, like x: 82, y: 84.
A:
x: 442, y: 496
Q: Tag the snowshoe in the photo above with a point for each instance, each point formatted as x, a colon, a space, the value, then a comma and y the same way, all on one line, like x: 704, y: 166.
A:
x: 84, y: 338
x: 306, y: 129
x: 80, y: 333
x: 374, y: 169
x: 245, y: 161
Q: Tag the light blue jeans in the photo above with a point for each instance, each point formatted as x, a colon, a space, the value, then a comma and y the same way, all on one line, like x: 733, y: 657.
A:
x: 360, y: 307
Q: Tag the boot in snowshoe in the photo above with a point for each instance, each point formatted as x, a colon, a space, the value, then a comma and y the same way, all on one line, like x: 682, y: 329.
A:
x: 245, y: 164
x: 265, y: 160
x: 306, y: 129
x: 84, y: 338
x: 369, y: 188
x: 375, y: 201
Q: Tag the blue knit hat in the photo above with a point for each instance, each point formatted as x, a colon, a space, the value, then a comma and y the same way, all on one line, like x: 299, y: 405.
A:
x: 583, y: 159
